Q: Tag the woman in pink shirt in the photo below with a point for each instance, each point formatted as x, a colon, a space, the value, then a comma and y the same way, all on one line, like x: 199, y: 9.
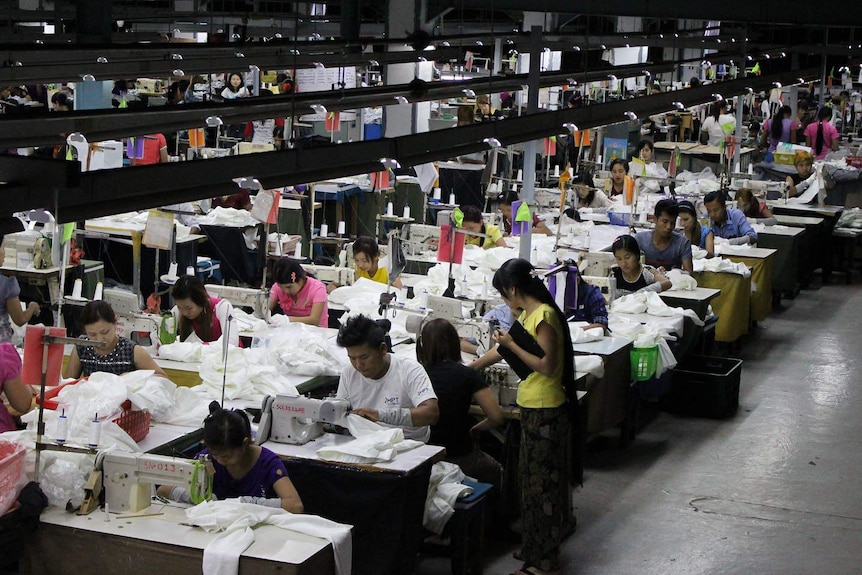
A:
x: 18, y: 395
x: 822, y: 136
x: 300, y: 297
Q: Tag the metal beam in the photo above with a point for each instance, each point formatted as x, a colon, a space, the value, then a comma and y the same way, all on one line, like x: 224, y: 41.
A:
x: 112, y: 191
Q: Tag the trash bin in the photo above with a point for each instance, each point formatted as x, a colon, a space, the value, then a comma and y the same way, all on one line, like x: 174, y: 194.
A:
x: 705, y: 386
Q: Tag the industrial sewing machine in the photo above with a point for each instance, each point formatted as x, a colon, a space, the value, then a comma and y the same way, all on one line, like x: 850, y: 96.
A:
x: 132, y: 323
x: 128, y: 478
x: 422, y: 238
x: 297, y: 419
x: 257, y: 299
x: 331, y: 274
x: 503, y: 382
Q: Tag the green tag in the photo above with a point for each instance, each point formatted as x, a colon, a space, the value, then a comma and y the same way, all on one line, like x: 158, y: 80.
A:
x: 458, y: 217
x: 167, y: 330
x: 523, y: 213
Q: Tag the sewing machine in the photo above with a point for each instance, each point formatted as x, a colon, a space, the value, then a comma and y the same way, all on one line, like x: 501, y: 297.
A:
x: 297, y: 419
x: 128, y: 478
x: 256, y: 299
x: 422, y: 238
x: 331, y: 274
x: 451, y: 310
x: 149, y: 85
x: 133, y: 326
x: 596, y: 263
x: 503, y: 382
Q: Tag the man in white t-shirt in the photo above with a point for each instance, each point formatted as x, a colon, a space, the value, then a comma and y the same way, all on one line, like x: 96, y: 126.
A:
x: 391, y: 390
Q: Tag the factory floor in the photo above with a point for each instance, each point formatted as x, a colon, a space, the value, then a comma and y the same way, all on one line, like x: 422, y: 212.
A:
x: 775, y: 489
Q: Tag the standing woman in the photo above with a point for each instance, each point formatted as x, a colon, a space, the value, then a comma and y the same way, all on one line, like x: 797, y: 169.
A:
x: 300, y: 297
x: 197, y: 312
x: 543, y: 469
x: 712, y: 131
x: 780, y: 128
x: 117, y: 355
x: 822, y: 136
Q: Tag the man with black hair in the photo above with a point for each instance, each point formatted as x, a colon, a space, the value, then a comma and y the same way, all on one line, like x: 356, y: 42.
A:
x: 665, y: 247
x: 728, y: 223
x: 388, y: 389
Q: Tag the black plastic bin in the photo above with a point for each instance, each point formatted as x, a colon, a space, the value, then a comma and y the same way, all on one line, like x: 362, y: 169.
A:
x: 705, y: 386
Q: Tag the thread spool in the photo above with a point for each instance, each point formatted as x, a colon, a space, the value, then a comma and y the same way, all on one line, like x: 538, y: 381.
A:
x: 97, y: 293
x: 390, y: 209
x: 190, y: 270
x: 557, y: 171
x: 297, y: 253
x: 751, y: 168
x: 406, y: 215
x: 520, y: 177
x: 62, y: 428
x: 95, y: 434
x: 341, y: 228
x: 324, y: 230
x: 78, y: 288
x: 437, y: 194
x: 172, y: 272
x: 451, y: 199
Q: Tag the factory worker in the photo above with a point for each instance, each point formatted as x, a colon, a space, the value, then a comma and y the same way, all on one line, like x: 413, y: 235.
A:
x: 727, y: 222
x: 300, y: 296
x: 198, y: 313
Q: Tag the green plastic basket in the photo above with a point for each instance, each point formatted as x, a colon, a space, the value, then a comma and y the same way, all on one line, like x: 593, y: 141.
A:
x: 644, y: 361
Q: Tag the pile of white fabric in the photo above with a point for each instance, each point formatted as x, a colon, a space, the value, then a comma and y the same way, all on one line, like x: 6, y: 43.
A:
x: 300, y: 350
x: 229, y: 217
x: 651, y: 304
x: 646, y: 336
x: 680, y: 281
x: 444, y: 489
x: 721, y: 265
x: 250, y: 373
x: 373, y: 444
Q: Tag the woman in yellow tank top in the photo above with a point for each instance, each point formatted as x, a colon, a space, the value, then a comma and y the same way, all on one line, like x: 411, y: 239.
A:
x: 366, y: 256
x: 545, y: 415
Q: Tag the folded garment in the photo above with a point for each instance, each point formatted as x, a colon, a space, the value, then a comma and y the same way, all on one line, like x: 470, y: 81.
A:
x: 444, y: 489
x: 680, y: 281
x: 580, y: 335
x: 721, y: 265
x: 373, y: 444
x: 592, y: 364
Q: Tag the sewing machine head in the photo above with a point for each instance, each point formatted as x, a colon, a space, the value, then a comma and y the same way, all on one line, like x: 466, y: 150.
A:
x: 297, y: 419
x: 242, y: 297
x: 344, y: 276
x: 422, y: 238
x: 143, y: 328
x: 128, y: 478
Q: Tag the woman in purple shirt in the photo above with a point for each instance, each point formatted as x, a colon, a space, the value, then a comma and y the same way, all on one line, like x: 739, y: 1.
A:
x: 243, y: 470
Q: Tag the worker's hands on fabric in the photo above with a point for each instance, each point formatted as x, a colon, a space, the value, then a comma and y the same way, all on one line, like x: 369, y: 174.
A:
x: 370, y: 414
x: 502, y: 337
x: 742, y: 240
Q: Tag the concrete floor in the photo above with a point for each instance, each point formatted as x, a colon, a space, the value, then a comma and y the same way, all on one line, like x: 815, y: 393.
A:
x: 773, y: 490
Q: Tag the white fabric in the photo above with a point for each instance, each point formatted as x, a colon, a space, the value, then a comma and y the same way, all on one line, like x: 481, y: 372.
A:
x: 374, y: 443
x: 680, y: 281
x: 580, y: 335
x: 651, y: 304
x: 593, y: 364
x: 251, y: 373
x: 444, y: 489
x: 236, y: 522
x: 182, y: 351
x: 405, y: 384
x: 228, y: 217
x: 223, y: 310
x: 300, y: 350
x: 714, y: 128
x: 698, y: 253
x: 362, y: 289
x: 721, y: 265
x: 645, y: 336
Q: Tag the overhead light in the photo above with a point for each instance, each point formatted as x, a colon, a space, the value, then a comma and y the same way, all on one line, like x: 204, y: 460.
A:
x: 316, y: 36
x: 767, y: 56
x: 76, y: 137
x: 646, y: 73
x: 749, y: 58
x: 631, y: 116
x: 570, y: 127
x: 479, y: 43
x: 176, y: 56
x: 604, y: 47
x: 546, y: 49
x: 17, y: 63
x: 777, y: 84
x: 576, y: 48
x: 718, y: 97
x: 101, y: 60
x: 612, y: 78
x: 446, y: 43
x: 800, y: 80
x: 469, y: 93
x: 239, y: 55
x: 749, y: 90
x: 675, y: 35
x: 213, y: 122
x: 571, y: 82
x: 277, y: 35
x: 248, y: 183
x: 402, y: 100
x: 293, y: 52
x: 88, y: 78
x: 390, y: 163
x: 679, y: 106
x: 783, y: 55
x: 235, y: 36
x: 492, y: 142
x: 421, y: 59
x: 178, y: 72
x: 318, y: 65
x: 373, y: 63
x: 319, y: 109
x: 661, y: 36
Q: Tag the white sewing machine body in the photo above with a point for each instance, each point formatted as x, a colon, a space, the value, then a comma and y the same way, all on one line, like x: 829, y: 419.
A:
x: 332, y: 274
x: 422, y: 238
x: 297, y: 419
x: 128, y: 477
x: 503, y: 382
x: 256, y: 299
x: 131, y: 325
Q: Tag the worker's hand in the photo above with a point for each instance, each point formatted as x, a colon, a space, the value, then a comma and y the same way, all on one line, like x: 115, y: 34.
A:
x: 502, y: 337
x: 370, y: 414
x: 34, y: 308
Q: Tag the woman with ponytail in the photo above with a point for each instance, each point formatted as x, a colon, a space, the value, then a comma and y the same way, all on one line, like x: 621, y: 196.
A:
x: 779, y: 128
x: 545, y: 399
x: 822, y: 136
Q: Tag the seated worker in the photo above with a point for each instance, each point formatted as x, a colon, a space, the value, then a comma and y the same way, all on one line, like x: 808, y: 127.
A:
x: 645, y: 151
x: 238, y: 201
x: 698, y: 235
x: 300, y: 297
x: 198, y: 313
x: 591, y: 306
x: 243, y: 470
x: 728, y: 223
x: 751, y: 207
x: 588, y: 195
x: 506, y: 200
x: 388, y: 389
x: 10, y: 304
x: 619, y: 178
x: 457, y: 386
x: 473, y: 222
x: 17, y: 394
x: 366, y: 256
x: 118, y: 355
x: 630, y: 275
x: 665, y: 248
x: 796, y: 183
x: 484, y: 112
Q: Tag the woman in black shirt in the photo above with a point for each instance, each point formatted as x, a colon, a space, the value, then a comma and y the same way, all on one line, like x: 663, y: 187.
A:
x: 456, y: 386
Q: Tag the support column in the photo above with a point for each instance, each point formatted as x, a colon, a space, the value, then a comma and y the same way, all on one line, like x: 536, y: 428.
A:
x: 529, y: 191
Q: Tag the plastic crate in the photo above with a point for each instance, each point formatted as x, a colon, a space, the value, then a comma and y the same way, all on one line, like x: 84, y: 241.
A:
x: 644, y: 361
x: 135, y: 423
x: 783, y: 159
x: 705, y: 386
x: 11, y: 473
x: 619, y: 218
x: 854, y: 162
